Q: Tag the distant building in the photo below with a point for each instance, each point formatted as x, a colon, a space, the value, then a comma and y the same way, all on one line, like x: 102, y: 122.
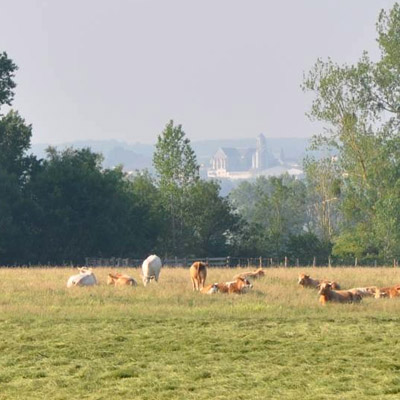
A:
x: 233, y: 163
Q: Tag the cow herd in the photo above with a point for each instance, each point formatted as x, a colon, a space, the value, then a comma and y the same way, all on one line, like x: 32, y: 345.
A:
x: 328, y: 290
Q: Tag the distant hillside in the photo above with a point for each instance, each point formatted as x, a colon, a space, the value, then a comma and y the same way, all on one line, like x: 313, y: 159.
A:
x: 139, y: 156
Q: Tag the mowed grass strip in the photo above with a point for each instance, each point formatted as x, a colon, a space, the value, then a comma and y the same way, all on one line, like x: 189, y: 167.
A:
x: 167, y: 342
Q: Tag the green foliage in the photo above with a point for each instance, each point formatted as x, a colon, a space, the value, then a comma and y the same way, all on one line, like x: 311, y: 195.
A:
x: 273, y: 209
x: 7, y: 84
x: 359, y: 104
x: 210, y: 220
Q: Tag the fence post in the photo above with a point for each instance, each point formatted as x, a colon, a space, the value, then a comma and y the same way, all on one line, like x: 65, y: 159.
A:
x: 329, y: 262
x: 260, y: 265
x: 228, y: 261
x: 355, y: 262
x: 297, y: 262
x: 270, y: 260
x: 314, y: 262
x: 375, y: 263
x: 285, y: 262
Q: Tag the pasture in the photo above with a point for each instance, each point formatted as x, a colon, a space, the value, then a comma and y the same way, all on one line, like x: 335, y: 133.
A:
x: 167, y: 342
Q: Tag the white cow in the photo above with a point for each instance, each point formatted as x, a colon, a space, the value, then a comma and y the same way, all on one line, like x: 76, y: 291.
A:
x: 84, y: 278
x: 151, y: 268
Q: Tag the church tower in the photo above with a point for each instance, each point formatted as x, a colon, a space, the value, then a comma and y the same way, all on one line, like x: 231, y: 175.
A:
x: 261, y: 153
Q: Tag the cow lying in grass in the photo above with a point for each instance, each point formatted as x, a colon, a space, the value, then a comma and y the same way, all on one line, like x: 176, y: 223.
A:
x: 121, y: 280
x: 210, y: 289
x: 391, y: 292
x: 198, y: 274
x: 258, y: 273
x: 369, y: 291
x: 306, y: 281
x: 326, y: 294
x: 238, y: 286
x: 84, y: 278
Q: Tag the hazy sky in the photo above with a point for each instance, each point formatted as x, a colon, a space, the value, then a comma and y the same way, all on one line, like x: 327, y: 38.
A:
x: 102, y: 69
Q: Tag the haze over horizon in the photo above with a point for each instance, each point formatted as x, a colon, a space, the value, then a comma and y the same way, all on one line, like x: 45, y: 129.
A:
x: 227, y: 69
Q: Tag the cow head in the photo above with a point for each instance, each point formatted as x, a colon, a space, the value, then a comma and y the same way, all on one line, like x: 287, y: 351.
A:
x: 303, y: 279
x: 244, y: 284
x: 324, y: 288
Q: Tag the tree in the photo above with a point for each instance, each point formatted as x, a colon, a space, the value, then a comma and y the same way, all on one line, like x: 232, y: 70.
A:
x: 359, y: 106
x: 177, y: 171
x: 86, y: 211
x: 273, y: 209
x: 7, y: 84
x: 210, y: 220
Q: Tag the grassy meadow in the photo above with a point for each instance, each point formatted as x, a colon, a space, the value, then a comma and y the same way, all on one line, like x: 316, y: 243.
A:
x: 167, y: 342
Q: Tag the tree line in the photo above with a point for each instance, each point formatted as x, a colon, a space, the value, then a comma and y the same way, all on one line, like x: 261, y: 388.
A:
x: 66, y: 206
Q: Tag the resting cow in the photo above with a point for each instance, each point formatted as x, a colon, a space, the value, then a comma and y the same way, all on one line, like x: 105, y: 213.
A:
x: 369, y: 291
x: 306, y: 281
x: 84, y: 278
x: 151, y: 268
x: 239, y: 286
x: 121, y: 280
x: 210, y: 289
x: 391, y: 292
x: 258, y: 273
x: 198, y: 274
x: 339, y: 296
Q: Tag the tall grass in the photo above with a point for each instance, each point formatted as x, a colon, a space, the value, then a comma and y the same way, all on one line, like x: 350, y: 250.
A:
x: 167, y: 342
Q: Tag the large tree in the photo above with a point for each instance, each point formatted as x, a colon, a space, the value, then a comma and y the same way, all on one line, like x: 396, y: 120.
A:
x: 177, y: 172
x: 359, y: 105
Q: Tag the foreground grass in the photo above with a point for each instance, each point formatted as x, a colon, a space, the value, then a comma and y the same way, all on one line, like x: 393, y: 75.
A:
x: 166, y: 342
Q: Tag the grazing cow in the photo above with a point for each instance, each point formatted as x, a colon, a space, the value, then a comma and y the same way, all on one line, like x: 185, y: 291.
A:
x: 84, y: 278
x: 198, y: 274
x: 121, y: 280
x: 390, y: 291
x: 210, y: 289
x: 258, y: 273
x: 340, y: 296
x: 240, y: 285
x: 306, y: 281
x: 369, y: 291
x: 151, y: 268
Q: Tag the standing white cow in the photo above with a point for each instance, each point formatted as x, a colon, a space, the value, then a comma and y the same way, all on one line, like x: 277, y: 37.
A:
x: 151, y: 268
x: 84, y: 278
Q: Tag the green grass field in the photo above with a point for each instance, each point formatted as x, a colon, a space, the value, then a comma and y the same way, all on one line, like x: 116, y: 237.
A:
x: 166, y: 342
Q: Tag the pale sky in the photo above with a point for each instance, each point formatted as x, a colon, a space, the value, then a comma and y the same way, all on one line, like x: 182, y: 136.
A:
x: 121, y: 69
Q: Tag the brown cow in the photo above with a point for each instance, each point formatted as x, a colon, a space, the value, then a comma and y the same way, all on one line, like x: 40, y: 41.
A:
x: 390, y: 291
x: 339, y: 296
x: 121, y: 280
x: 306, y: 281
x: 258, y: 273
x: 369, y: 291
x: 198, y: 274
x: 210, y: 289
x: 240, y: 285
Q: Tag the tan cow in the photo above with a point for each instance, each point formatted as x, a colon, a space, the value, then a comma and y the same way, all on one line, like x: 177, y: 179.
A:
x: 121, y: 280
x: 258, y: 273
x: 339, y: 296
x: 210, y: 289
x: 390, y: 291
x: 369, y: 291
x: 306, y: 281
x: 239, y: 286
x: 198, y: 274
